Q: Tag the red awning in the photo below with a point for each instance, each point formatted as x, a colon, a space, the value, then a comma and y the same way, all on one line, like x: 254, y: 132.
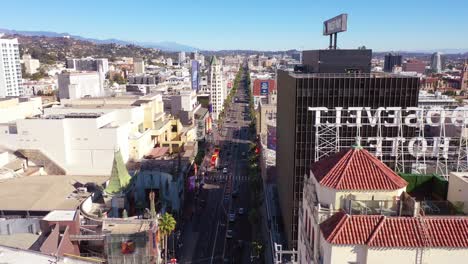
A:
x: 158, y: 152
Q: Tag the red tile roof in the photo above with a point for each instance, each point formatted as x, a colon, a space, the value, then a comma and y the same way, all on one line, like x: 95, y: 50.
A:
x: 356, y: 169
x: 382, y: 231
x: 257, y: 85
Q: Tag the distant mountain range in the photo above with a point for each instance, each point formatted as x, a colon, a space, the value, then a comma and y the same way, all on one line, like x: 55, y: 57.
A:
x: 164, y: 45
x: 175, y: 47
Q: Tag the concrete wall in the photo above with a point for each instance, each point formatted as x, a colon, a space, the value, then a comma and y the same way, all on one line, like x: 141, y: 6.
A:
x: 79, y: 145
x: 458, y: 189
x: 286, y: 120
x: 78, y: 85
x: 19, y: 225
x: 13, y: 109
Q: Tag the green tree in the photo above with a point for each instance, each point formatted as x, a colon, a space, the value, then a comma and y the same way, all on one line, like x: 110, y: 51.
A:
x: 167, y: 224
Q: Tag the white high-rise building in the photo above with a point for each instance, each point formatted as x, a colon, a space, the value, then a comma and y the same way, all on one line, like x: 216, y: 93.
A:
x: 10, y: 68
x: 181, y: 57
x: 217, y: 88
x: 436, y: 62
x: 138, y: 66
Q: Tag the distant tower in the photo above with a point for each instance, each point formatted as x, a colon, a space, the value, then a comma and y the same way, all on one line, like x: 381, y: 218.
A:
x: 392, y: 60
x: 217, y: 89
x: 436, y: 62
x: 464, y: 77
x: 182, y: 57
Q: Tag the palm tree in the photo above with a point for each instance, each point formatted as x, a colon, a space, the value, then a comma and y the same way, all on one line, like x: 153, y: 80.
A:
x: 167, y: 224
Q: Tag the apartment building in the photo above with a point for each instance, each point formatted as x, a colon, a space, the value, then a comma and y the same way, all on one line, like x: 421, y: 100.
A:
x: 10, y: 68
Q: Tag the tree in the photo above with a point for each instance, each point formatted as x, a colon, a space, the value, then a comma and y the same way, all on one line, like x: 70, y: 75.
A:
x: 257, y: 247
x: 167, y: 224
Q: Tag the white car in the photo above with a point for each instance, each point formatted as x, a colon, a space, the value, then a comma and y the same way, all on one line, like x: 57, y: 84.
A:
x: 225, y: 170
x: 241, y: 211
x: 232, y: 217
x: 229, y: 234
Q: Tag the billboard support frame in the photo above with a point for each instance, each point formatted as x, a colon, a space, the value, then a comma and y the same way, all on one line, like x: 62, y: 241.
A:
x: 416, y: 152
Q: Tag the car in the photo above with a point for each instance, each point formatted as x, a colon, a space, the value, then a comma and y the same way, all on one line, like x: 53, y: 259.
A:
x: 225, y: 170
x: 241, y: 211
x: 243, y: 154
x: 235, y: 193
x: 232, y: 217
x: 229, y: 233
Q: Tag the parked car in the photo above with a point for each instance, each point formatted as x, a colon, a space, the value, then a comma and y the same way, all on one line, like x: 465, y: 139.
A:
x: 225, y: 170
x: 229, y: 234
x: 241, y: 211
x: 232, y: 217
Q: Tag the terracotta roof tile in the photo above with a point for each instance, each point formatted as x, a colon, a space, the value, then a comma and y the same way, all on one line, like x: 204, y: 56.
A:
x: 381, y: 231
x: 356, y: 169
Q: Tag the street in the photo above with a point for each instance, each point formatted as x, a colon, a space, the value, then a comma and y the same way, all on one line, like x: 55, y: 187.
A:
x: 205, y: 237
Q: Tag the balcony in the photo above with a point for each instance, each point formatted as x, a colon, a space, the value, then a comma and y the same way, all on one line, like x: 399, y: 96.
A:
x: 372, y: 207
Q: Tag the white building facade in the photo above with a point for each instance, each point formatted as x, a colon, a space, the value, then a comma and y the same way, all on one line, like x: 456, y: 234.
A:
x: 354, y: 210
x: 217, y: 89
x: 31, y: 65
x: 138, y: 66
x: 75, y: 85
x: 81, y: 141
x: 10, y: 68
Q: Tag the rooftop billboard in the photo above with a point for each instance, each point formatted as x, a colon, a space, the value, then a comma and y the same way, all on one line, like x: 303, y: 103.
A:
x: 335, y: 25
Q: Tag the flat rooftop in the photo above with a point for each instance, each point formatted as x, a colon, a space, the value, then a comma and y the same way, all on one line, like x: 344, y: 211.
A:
x: 127, y: 226
x: 20, y: 240
x: 60, y: 215
x: 44, y: 193
x: 348, y: 75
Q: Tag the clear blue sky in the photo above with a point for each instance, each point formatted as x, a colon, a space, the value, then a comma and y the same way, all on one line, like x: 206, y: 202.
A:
x: 250, y: 24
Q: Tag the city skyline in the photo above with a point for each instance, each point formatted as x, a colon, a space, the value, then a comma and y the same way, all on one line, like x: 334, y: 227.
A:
x: 259, y: 25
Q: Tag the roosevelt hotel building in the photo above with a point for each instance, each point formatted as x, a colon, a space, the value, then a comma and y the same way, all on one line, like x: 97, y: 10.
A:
x: 327, y: 78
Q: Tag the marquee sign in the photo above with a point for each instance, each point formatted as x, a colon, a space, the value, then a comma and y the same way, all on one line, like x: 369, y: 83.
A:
x: 412, y: 139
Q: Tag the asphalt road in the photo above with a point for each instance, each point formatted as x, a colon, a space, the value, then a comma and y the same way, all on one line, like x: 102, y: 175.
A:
x: 204, y: 235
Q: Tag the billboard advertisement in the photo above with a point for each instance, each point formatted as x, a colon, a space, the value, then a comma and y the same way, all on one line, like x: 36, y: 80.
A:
x: 271, y: 137
x: 335, y: 25
x: 195, y: 75
x: 413, y: 140
x: 264, y: 87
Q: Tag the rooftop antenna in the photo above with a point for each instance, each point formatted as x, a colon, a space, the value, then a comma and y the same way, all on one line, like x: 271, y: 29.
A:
x: 333, y: 26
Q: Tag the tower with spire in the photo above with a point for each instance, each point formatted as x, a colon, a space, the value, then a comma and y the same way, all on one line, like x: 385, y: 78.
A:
x: 217, y: 87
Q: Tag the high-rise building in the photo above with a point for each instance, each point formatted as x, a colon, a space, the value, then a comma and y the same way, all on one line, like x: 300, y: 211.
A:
x: 31, y: 65
x: 341, y: 79
x: 436, y: 62
x: 10, y: 68
x: 89, y: 64
x: 181, y: 57
x: 392, y: 60
x: 138, y: 66
x: 464, y: 77
x: 217, y: 90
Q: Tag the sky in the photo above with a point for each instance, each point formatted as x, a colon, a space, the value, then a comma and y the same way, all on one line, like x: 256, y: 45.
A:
x: 393, y: 25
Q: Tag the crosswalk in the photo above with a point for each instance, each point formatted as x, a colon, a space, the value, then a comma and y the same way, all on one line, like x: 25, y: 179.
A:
x: 227, y: 177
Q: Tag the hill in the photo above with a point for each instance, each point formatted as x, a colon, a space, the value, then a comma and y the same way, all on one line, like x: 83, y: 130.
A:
x: 51, y: 49
x: 165, y: 45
